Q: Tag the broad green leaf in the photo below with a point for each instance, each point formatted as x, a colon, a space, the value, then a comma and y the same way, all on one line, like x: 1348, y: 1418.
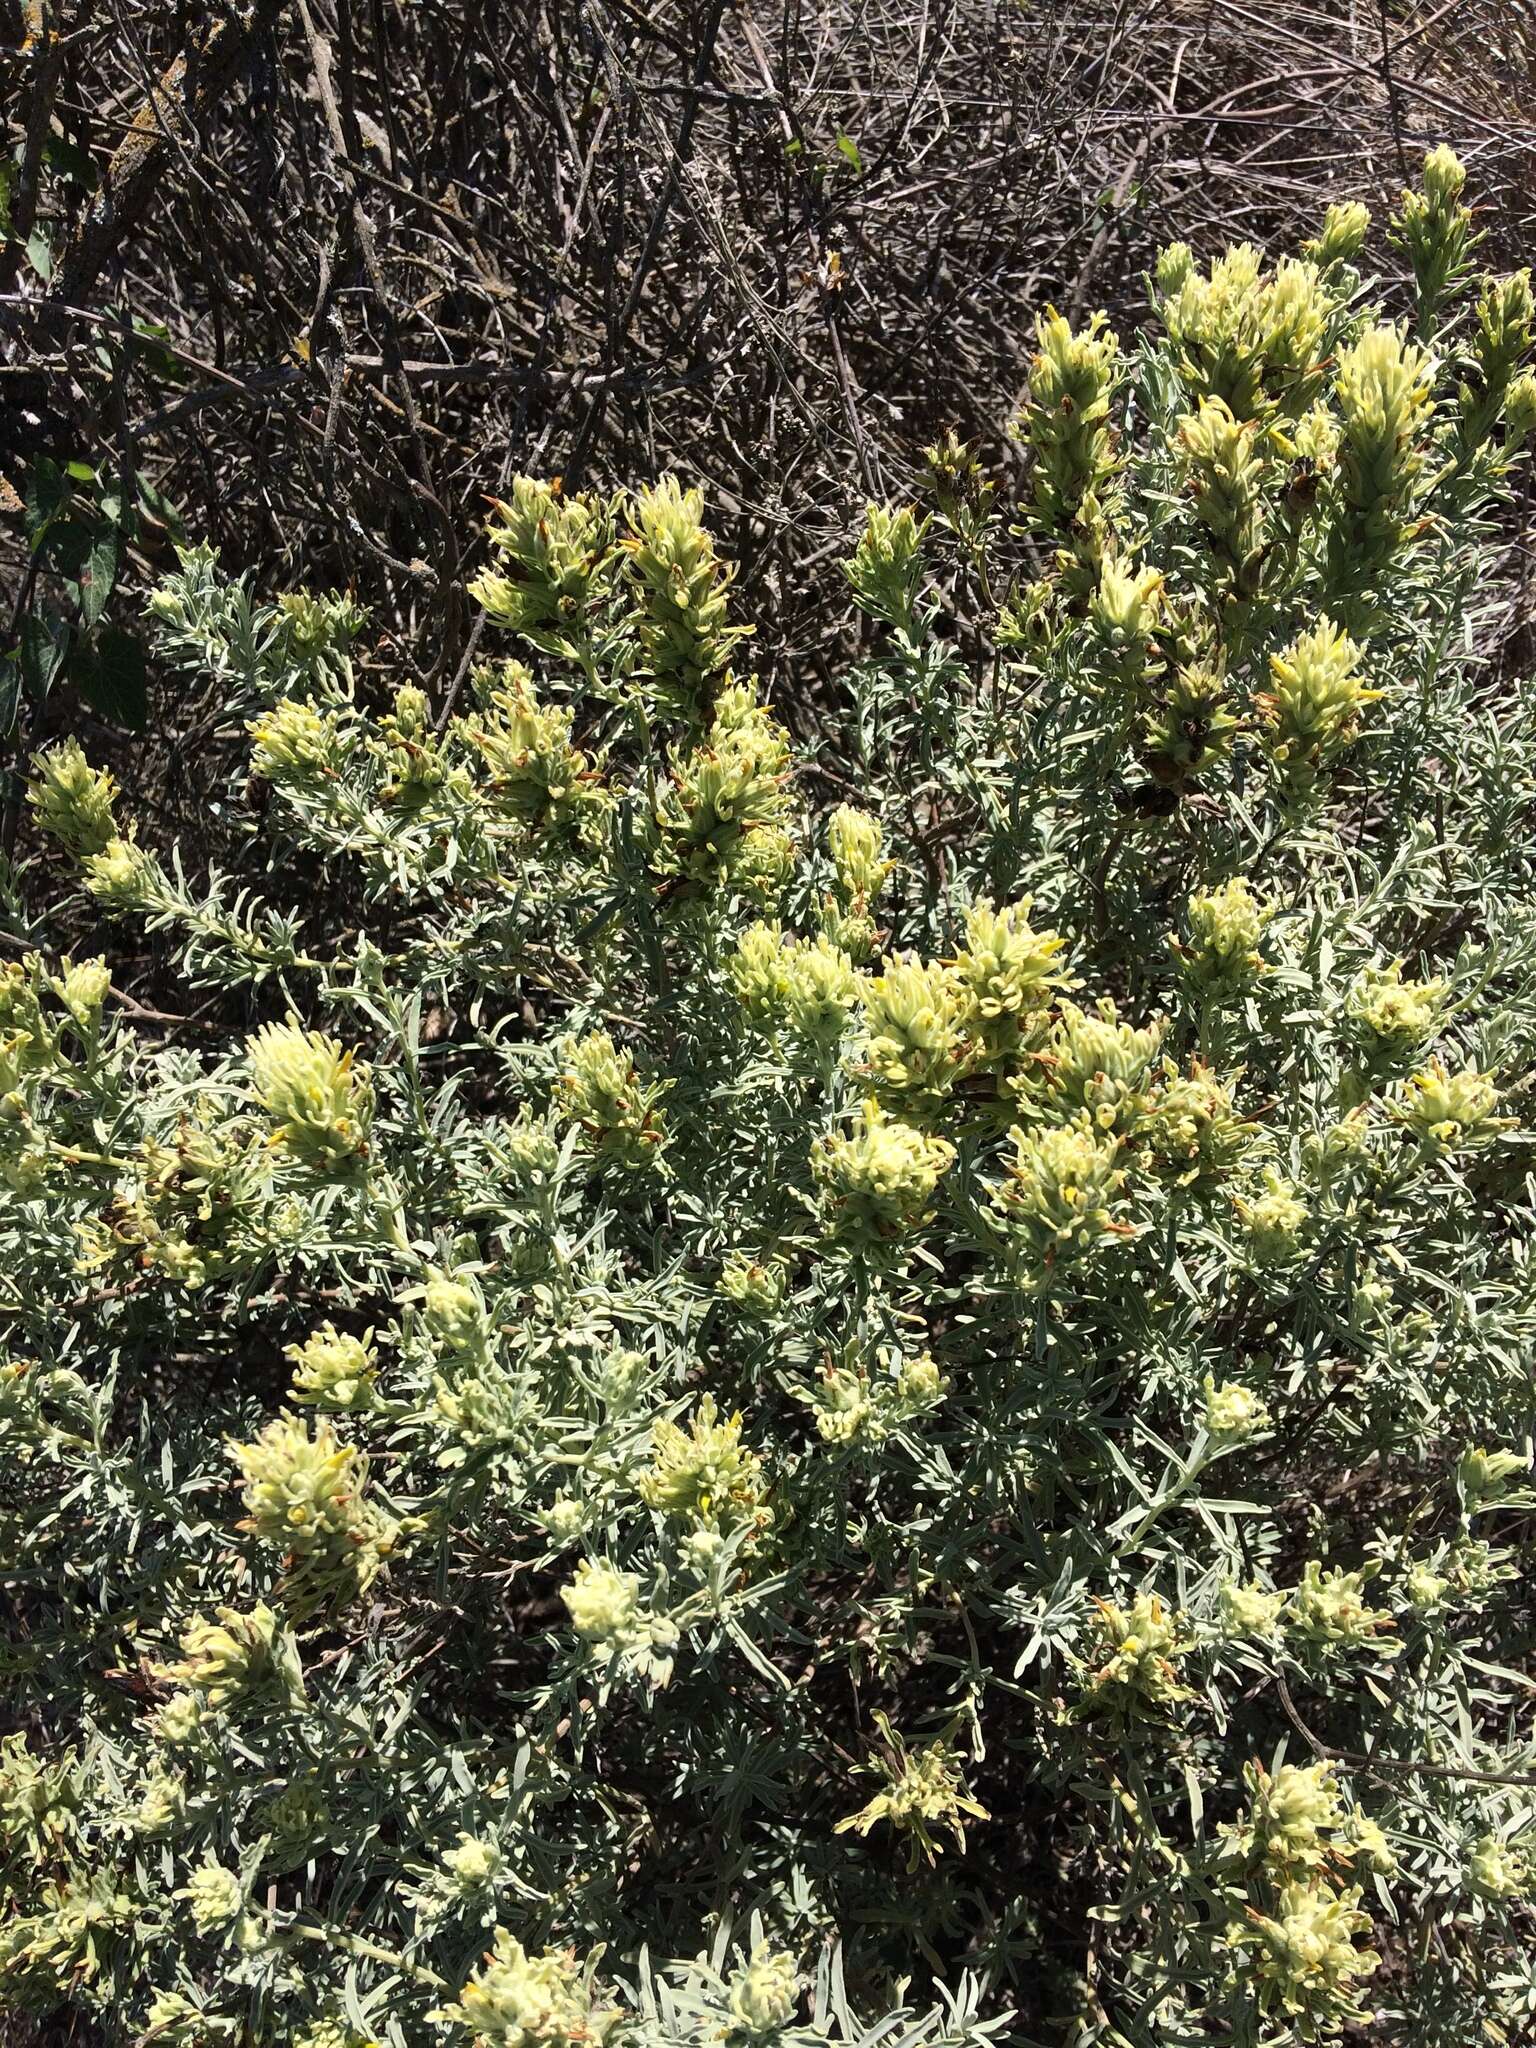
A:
x: 45, y: 641
x: 112, y: 679
x: 99, y: 573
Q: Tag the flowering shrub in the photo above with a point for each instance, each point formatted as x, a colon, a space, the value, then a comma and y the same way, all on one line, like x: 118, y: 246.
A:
x: 710, y: 1410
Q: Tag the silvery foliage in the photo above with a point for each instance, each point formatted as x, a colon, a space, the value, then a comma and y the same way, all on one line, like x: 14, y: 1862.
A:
x: 751, y: 1415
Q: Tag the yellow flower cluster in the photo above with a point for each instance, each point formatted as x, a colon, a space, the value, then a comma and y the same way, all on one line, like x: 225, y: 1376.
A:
x: 886, y: 567
x: 1340, y: 239
x: 860, y: 870
x: 73, y: 800
x: 1392, y: 1017
x: 915, y: 1013
x: 1329, y: 1608
x: 804, y: 987
x: 304, y: 1494
x: 558, y: 556
x: 1452, y: 1112
x: 319, y: 1100
x: 1303, y: 1956
x: 1140, y: 1650
x: 619, y: 1114
x: 294, y: 743
x: 547, y: 783
x: 1256, y: 340
x: 193, y: 1212
x: 1384, y: 401
x: 1008, y: 974
x: 853, y: 1403
x: 1225, y: 926
x: 333, y: 1369
x: 518, y: 2000
x: 1073, y: 379
x: 877, y: 1181
x: 1223, y: 460
x: 1057, y: 1200
x: 1091, y: 1065
x: 237, y: 1655
x: 1311, y: 711
x: 603, y: 1603
x: 1192, y: 1131
x: 1275, y: 1219
x: 704, y: 1475
x: 765, y: 1993
x: 1433, y: 228
x: 922, y: 1790
x: 682, y: 592
x: 722, y: 812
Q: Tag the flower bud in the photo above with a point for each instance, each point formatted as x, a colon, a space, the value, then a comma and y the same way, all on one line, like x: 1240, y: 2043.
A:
x: 1496, y: 1870
x: 333, y: 1369
x: 1233, y: 1413
x: 1344, y: 229
x: 319, y: 1102
x: 82, y: 988
x: 73, y: 800
x: 603, y: 1603
x: 1483, y: 1477
x: 765, y: 1993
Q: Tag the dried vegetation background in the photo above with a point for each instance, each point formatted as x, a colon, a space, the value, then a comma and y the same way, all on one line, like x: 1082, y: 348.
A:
x: 396, y: 252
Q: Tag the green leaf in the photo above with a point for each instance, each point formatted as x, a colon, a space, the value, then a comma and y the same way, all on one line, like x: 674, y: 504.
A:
x: 849, y: 149
x: 44, y: 644
x: 158, y: 506
x: 111, y: 678
x: 66, y: 546
x: 99, y: 573
x: 69, y: 162
x: 48, y: 492
x: 10, y: 691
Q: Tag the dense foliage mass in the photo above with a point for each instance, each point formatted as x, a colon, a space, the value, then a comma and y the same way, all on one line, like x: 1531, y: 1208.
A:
x: 886, y: 1396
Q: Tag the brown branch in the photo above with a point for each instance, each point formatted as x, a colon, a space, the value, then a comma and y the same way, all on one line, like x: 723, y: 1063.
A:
x: 43, y: 51
x: 169, y: 118
x: 448, y: 546
x: 1389, y: 1766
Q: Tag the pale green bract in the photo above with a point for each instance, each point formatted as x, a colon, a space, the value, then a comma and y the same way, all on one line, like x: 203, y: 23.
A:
x: 710, y: 1389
